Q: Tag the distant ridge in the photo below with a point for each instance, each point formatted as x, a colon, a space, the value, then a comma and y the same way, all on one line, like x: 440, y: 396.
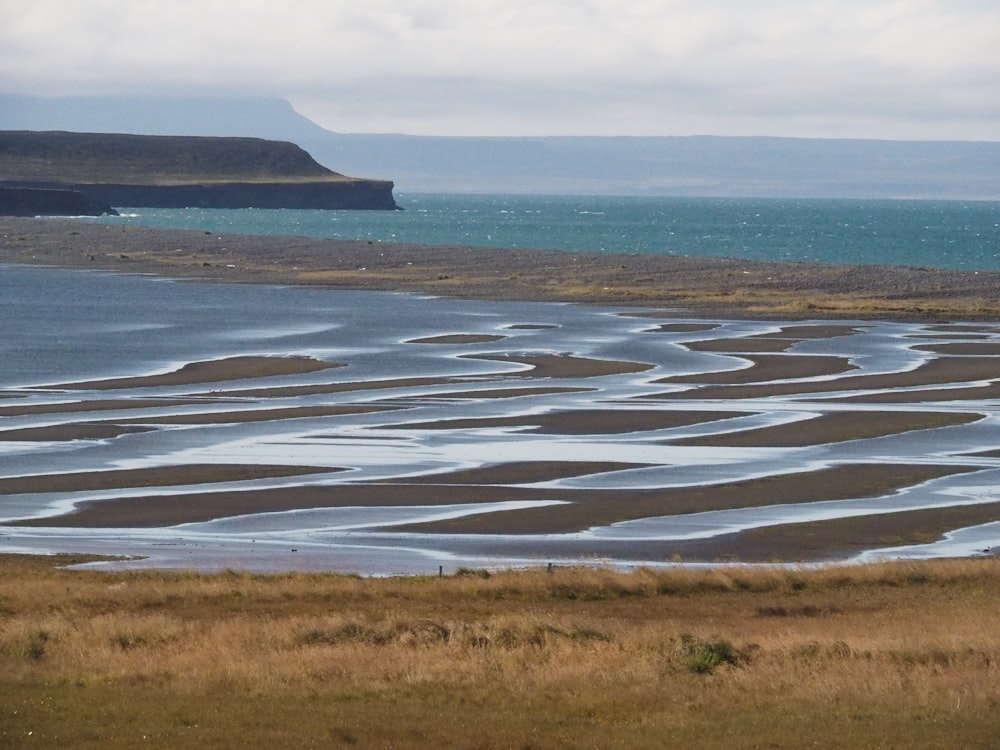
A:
x: 180, y: 171
x: 256, y: 117
x: 577, y: 165
x: 152, y: 159
x: 689, y: 166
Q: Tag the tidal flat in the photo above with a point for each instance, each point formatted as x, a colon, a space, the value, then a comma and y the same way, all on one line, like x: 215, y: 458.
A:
x: 285, y: 426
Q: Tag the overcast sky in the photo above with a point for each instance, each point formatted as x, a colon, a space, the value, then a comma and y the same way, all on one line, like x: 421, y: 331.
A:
x: 912, y: 69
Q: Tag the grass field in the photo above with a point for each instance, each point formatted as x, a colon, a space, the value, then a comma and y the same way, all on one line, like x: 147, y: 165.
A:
x: 889, y: 655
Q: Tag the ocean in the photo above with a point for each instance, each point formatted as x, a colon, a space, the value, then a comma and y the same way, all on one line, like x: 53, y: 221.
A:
x: 940, y: 234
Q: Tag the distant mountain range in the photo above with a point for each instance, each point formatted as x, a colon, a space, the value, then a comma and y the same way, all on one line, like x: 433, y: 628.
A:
x: 681, y: 166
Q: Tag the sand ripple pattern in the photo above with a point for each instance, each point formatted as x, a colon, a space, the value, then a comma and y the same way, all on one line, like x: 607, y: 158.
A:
x: 382, y: 433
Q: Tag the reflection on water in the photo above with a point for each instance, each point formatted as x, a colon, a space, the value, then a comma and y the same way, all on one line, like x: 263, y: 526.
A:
x: 462, y: 433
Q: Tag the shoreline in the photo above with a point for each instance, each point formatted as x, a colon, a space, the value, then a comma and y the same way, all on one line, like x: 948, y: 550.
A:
x: 684, y: 285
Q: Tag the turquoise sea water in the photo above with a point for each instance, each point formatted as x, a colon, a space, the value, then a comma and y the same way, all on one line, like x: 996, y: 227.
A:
x: 942, y: 234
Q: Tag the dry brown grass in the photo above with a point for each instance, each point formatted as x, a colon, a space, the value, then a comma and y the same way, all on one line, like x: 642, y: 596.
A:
x: 893, y: 655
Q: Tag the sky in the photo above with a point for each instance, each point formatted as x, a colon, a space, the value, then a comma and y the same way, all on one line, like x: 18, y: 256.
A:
x: 890, y: 69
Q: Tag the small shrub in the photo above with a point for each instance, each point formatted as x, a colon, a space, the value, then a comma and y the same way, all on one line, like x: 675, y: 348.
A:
x: 349, y: 633
x: 588, y: 634
x: 807, y: 650
x: 562, y: 591
x: 809, y: 610
x: 478, y: 573
x: 773, y: 612
x: 127, y: 642
x: 702, y: 657
x: 35, y: 648
x: 540, y: 635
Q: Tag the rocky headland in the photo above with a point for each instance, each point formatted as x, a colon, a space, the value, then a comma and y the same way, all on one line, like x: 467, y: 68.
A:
x: 182, y: 171
x: 19, y: 201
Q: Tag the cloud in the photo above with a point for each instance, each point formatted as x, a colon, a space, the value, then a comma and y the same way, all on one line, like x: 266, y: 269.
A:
x: 533, y: 66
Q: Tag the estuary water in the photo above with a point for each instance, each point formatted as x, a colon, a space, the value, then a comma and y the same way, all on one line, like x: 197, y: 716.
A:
x: 942, y: 234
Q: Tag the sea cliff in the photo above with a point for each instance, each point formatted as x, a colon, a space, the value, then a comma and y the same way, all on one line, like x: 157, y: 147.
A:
x: 18, y: 201
x: 182, y: 171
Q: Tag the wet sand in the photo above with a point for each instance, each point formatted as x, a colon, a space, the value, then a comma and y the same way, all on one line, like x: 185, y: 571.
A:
x: 958, y: 392
x: 501, y: 393
x: 950, y: 371
x: 598, y: 508
x: 588, y: 422
x: 765, y: 367
x: 843, y: 537
x: 581, y: 509
x: 215, y: 371
x: 458, y: 338
x: 67, y: 432
x: 833, y: 428
x: 111, y: 429
x: 71, y: 407
x: 164, y: 476
x: 565, y: 365
x: 258, y: 415
x: 786, y: 338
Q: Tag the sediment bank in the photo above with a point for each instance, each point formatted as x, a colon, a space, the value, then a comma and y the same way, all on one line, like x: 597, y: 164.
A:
x: 734, y: 288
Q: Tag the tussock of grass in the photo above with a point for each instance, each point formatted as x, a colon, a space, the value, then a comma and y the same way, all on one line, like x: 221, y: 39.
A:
x: 575, y: 657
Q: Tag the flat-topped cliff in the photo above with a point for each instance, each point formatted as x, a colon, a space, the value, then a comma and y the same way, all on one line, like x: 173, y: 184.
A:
x: 183, y: 171
x: 17, y: 201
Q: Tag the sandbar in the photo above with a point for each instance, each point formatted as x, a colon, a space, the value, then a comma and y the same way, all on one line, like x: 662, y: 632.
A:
x: 582, y: 421
x: 965, y: 348
x: 154, y: 476
x: 676, y: 327
x: 745, y: 345
x: 259, y: 415
x: 941, y: 371
x: 458, y: 339
x: 705, y: 287
x: 502, y: 393
x: 832, y: 428
x: 591, y: 508
x: 581, y: 509
x: 69, y: 407
x: 61, y: 433
x: 565, y: 365
x: 194, y: 373
x: 116, y: 428
x: 767, y: 367
x: 519, y: 472
x: 842, y: 537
